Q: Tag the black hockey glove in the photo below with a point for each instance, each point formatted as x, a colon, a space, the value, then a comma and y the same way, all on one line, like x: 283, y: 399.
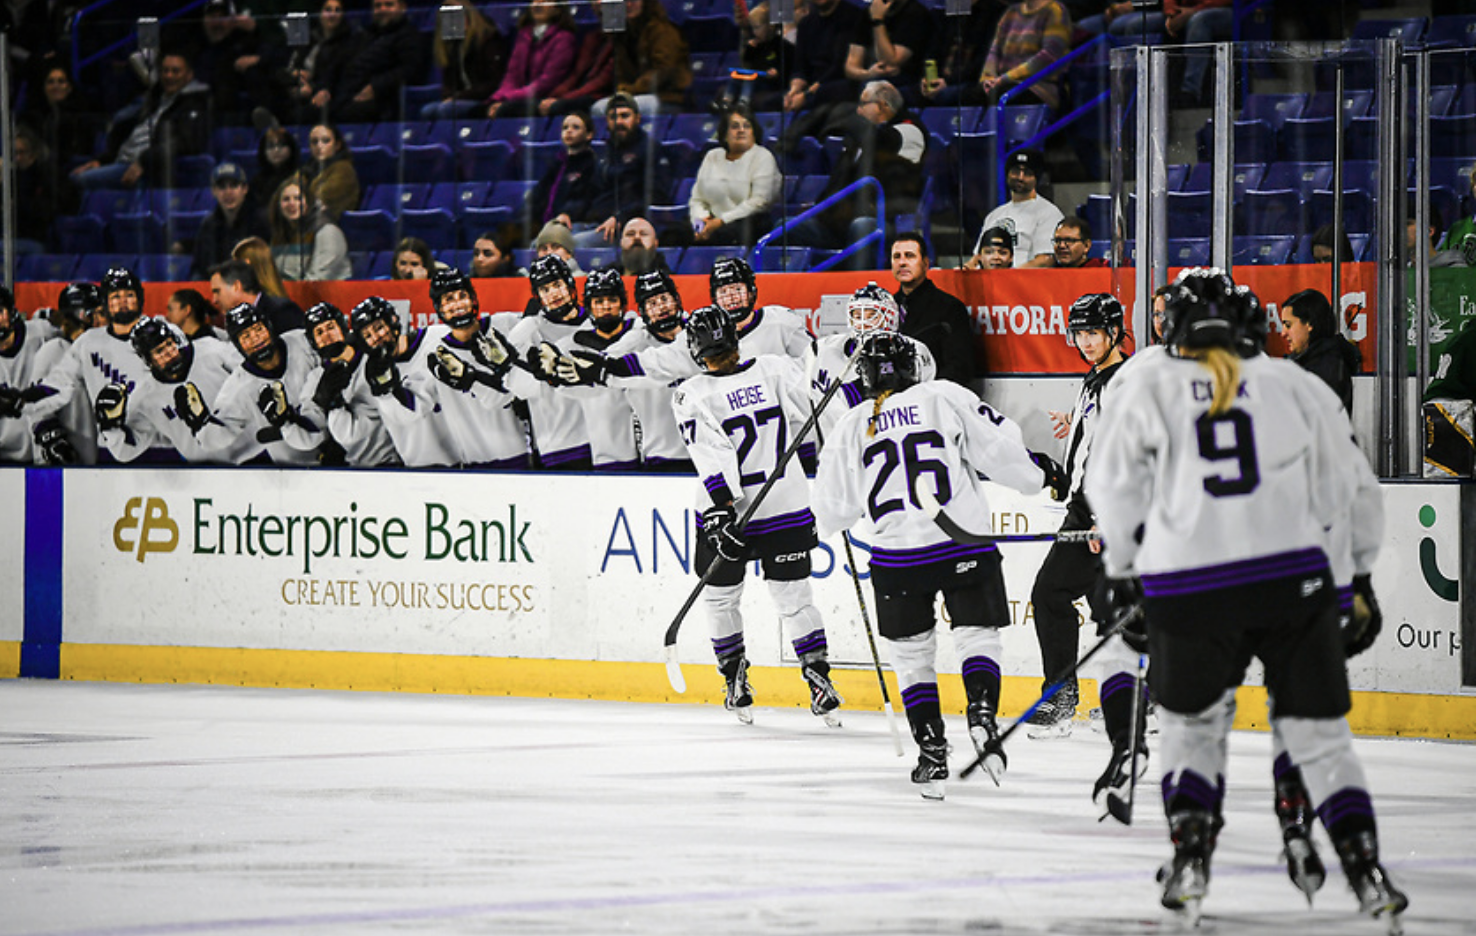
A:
x: 331, y: 454
x: 272, y: 401
x: 1367, y: 620
x: 450, y: 369
x: 111, y: 406
x: 720, y: 526
x: 55, y: 447
x: 11, y: 403
x: 491, y: 351
x: 191, y: 407
x: 334, y: 380
x: 1125, y: 596
x: 583, y: 368
x: 1055, y: 476
x: 383, y: 376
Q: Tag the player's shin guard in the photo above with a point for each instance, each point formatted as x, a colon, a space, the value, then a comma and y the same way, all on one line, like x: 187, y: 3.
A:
x: 728, y: 647
x: 801, y: 621
x: 981, y: 649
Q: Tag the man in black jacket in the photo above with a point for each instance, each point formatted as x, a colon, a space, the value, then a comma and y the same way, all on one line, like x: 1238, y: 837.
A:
x: 173, y: 119
x: 393, y: 54
x: 234, y: 283
x: 631, y: 178
x: 233, y: 220
x: 930, y: 315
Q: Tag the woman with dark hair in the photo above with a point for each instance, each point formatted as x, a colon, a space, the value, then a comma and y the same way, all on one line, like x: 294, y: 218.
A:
x: 67, y: 124
x: 277, y: 159
x: 542, y: 57
x: 470, y: 68
x: 305, y: 244
x: 413, y: 260
x: 571, y: 184
x: 333, y: 184
x: 1314, y: 341
x: 737, y: 184
x: 314, y: 68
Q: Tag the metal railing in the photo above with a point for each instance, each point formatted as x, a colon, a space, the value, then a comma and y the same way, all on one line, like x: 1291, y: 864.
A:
x: 878, y: 236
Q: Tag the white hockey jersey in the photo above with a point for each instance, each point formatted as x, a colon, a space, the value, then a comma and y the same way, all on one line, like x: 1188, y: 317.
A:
x: 831, y: 359
x: 936, y: 434
x: 650, y: 399
x: 357, y: 425
x: 772, y: 330
x: 97, y: 358
x: 737, y: 426
x: 608, y: 414
x: 234, y: 410
x: 422, y: 439
x: 558, y: 418
x: 480, y: 420
x: 18, y: 371
x: 1191, y: 502
x: 76, y: 417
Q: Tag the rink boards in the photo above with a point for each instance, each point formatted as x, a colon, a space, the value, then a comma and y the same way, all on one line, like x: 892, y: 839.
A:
x: 526, y: 584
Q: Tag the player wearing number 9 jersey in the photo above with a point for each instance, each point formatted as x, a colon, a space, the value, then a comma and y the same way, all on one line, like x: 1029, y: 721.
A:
x: 1215, y: 481
x: 935, y: 436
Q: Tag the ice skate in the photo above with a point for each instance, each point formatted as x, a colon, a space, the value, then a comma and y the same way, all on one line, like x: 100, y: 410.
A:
x: 739, y: 698
x: 1376, y: 893
x: 1303, y: 865
x: 824, y: 700
x: 1113, y: 789
x: 1185, y: 879
x: 1053, y: 718
x: 1097, y: 719
x: 932, y: 768
x: 984, y: 732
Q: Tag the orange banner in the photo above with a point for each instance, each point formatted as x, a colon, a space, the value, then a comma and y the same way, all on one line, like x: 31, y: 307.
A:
x: 1019, y: 315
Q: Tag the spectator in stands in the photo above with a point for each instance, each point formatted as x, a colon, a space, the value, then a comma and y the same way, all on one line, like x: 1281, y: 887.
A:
x: 277, y: 160
x: 1073, y: 244
x: 1462, y: 233
x: 966, y: 48
x: 190, y: 312
x: 930, y: 315
x: 491, y: 257
x: 542, y: 58
x: 555, y: 238
x: 226, y: 52
x: 413, y: 260
x: 737, y: 185
x: 258, y: 253
x: 1029, y: 217
x: 35, y: 198
x: 629, y: 182
x: 305, y: 244
x: 333, y: 183
x: 996, y: 250
x: 1199, y: 24
x: 1438, y: 258
x: 1030, y: 37
x: 571, y: 186
x: 229, y: 223
x: 652, y: 62
x: 1322, y: 245
x: 234, y: 282
x: 639, y: 248
x: 592, y: 77
x: 393, y: 54
x: 899, y: 40
x: 314, y: 69
x: 822, y: 47
x: 1314, y: 341
x: 172, y: 119
x: 67, y: 124
x: 883, y: 141
x: 471, y: 68
x: 766, y: 59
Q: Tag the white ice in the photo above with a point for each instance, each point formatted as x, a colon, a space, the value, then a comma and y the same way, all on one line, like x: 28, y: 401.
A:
x: 136, y: 810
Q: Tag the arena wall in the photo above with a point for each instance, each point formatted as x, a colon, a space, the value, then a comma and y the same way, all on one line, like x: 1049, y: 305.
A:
x: 523, y: 584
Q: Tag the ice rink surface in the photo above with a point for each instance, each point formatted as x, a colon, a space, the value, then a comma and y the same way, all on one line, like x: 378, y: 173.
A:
x: 136, y: 810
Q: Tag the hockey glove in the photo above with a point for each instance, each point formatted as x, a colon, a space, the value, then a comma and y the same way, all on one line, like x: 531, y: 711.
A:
x: 111, y: 406
x: 272, y: 401
x: 11, y: 403
x: 53, y: 444
x: 382, y: 375
x: 191, y: 407
x: 331, y: 454
x: 335, y: 380
x: 720, y: 526
x: 1367, y: 621
x: 1055, y: 476
x: 491, y: 351
x: 583, y: 368
x: 1125, y: 596
x: 450, y: 369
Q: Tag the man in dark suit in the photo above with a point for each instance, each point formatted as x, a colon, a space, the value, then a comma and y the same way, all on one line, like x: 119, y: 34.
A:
x: 234, y: 282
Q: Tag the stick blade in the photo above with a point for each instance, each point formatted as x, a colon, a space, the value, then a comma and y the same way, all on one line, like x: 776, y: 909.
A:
x: 674, y: 671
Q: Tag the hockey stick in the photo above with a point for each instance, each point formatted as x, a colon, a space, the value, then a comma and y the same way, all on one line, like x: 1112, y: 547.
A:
x: 1123, y: 620
x: 673, y: 667
x: 871, y: 640
x: 1126, y: 817
x: 930, y: 506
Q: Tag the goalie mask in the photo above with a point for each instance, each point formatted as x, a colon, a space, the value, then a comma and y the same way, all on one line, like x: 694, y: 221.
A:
x: 887, y: 363
x: 727, y: 273
x: 711, y: 333
x: 376, y: 309
x: 872, y: 309
x: 164, y: 348
x: 445, y: 283
x: 119, y: 279
x: 659, y: 303
x: 241, y: 326
x: 547, y: 271
x: 1095, y: 312
x: 321, y: 321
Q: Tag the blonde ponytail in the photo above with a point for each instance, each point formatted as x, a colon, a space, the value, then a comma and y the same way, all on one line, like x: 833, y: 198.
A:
x: 875, y: 412
x: 1225, y: 366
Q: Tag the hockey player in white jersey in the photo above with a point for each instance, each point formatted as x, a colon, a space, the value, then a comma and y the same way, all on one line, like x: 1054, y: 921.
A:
x: 421, y: 438
x: 770, y: 329
x: 1215, y: 480
x: 609, y: 416
x: 262, y: 397
x: 738, y: 418
x: 559, y: 433
x: 355, y: 433
x: 936, y: 434
x: 145, y: 424
x: 79, y: 308
x: 20, y: 343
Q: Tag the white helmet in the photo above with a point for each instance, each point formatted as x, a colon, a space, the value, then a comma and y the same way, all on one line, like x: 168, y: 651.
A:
x: 872, y: 309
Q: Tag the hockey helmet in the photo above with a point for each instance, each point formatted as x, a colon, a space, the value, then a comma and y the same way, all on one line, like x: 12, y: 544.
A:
x: 1204, y: 310
x: 872, y: 309
x: 7, y: 305
x: 371, y: 310
x: 151, y: 334
x: 1095, y: 312
x: 730, y: 271
x: 1252, y: 339
x: 322, y: 313
x: 246, y: 316
x: 653, y: 285
x: 548, y: 269
x: 887, y: 363
x: 121, y: 279
x: 78, y: 302
x: 605, y: 282
x: 444, y: 282
x: 711, y: 333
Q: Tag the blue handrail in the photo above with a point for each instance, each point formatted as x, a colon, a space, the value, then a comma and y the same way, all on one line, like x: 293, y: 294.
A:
x: 78, y: 63
x: 878, y: 236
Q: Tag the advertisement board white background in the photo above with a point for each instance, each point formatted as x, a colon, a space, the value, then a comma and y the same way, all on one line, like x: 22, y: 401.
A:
x: 12, y: 553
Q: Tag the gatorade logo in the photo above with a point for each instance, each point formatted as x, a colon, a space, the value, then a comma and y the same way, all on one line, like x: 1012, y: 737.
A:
x: 156, y: 532
x: 1439, y: 584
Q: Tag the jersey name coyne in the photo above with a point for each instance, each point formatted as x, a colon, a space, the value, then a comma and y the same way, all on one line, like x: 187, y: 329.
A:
x: 903, y: 416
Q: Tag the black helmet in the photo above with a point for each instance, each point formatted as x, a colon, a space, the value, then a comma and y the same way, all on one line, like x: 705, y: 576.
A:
x: 243, y: 317
x: 121, y: 279
x: 887, y: 362
x: 605, y: 282
x: 649, y: 286
x: 7, y: 302
x: 710, y: 333
x: 1204, y: 310
x: 727, y: 271
x: 376, y: 309
x: 318, y: 314
x: 1095, y: 311
x: 1253, y: 332
x: 872, y: 309
x: 153, y: 332
x: 551, y: 268
x: 78, y: 302
x: 444, y: 282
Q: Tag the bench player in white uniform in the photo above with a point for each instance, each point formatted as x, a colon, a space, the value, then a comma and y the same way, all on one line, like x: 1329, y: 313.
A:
x: 420, y: 436
x: 609, y: 414
x: 937, y: 434
x: 737, y: 419
x: 1215, y: 481
x: 79, y: 309
x: 356, y: 433
x: 559, y: 433
x: 20, y: 343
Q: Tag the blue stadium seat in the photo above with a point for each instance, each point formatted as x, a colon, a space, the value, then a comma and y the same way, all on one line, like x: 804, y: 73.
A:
x: 1305, y: 178
x: 467, y: 130
x: 80, y: 234
x: 673, y: 256
x: 376, y: 165
x: 45, y: 268
x: 772, y: 124
x: 435, y: 226
x: 699, y: 260
x: 417, y: 96
x: 193, y: 171
x: 1442, y: 98
x: 1017, y: 124
x: 91, y: 267
x: 1358, y: 213
x: 1453, y: 137
x: 1190, y: 215
x: 711, y: 33
x: 475, y: 221
x: 1097, y: 211
x: 1451, y: 32
x: 597, y: 258
x: 1455, y: 173
x: 1177, y: 174
x: 1356, y: 103
x: 362, y: 262
x: 137, y: 232
x: 165, y: 202
x: 1274, y: 109
x: 510, y: 193
x: 486, y: 161
x: 1262, y: 251
x: 457, y: 259
x: 534, y: 158
x: 183, y: 226
x: 680, y: 159
x: 1270, y: 212
x: 1361, y: 139
x: 806, y: 158
x: 706, y: 64
x: 356, y: 135
x: 948, y: 122
x: 1304, y: 140
x: 807, y: 192
x: 697, y: 129
x: 783, y: 260
x: 517, y: 130
x: 522, y: 258
x: 1408, y: 30
x: 426, y: 162
x: 368, y: 230
x: 456, y: 197
x: 165, y: 268
x: 1189, y: 251
x: 226, y: 140
x: 105, y: 203
x: 683, y: 193
x: 1244, y: 176
x: 663, y: 217
x: 392, y: 199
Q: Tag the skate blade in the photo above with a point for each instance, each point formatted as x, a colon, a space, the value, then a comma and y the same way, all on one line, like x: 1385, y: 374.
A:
x: 744, y: 713
x: 1304, y: 877
x: 831, y: 718
x: 994, y: 766
x: 1189, y: 912
x: 1396, y: 925
x: 931, y: 789
x: 1061, y: 729
x: 1118, y: 808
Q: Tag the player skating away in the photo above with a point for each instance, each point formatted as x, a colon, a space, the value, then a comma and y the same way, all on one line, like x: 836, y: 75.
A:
x: 738, y: 419
x: 356, y: 435
x: 20, y: 344
x: 936, y: 434
x: 419, y: 436
x: 1215, y: 480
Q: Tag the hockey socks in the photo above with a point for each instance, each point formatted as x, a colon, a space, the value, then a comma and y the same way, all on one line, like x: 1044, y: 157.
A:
x: 925, y: 718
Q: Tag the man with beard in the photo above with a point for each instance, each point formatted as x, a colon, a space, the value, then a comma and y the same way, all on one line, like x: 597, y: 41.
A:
x: 1030, y: 219
x: 638, y: 248
x: 356, y: 434
x: 393, y: 54
x: 629, y: 180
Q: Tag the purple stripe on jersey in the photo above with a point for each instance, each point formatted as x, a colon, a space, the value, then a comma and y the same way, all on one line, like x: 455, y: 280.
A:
x: 853, y: 393
x: 1281, y: 765
x: 920, y: 694
x: 1295, y: 564
x: 1118, y: 682
x: 813, y: 642
x: 633, y: 366
x: 789, y: 521
x: 1345, y: 804
x: 925, y: 555
x: 1193, y: 787
x: 517, y: 461
x: 980, y: 664
x: 714, y: 484
x: 566, y: 455
x: 1345, y: 599
x: 619, y: 465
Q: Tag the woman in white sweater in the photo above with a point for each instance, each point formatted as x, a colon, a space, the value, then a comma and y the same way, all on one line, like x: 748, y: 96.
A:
x: 737, y: 185
x: 305, y: 244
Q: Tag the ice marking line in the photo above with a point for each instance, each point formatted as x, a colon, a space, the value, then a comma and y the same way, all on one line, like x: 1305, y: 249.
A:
x: 653, y: 900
